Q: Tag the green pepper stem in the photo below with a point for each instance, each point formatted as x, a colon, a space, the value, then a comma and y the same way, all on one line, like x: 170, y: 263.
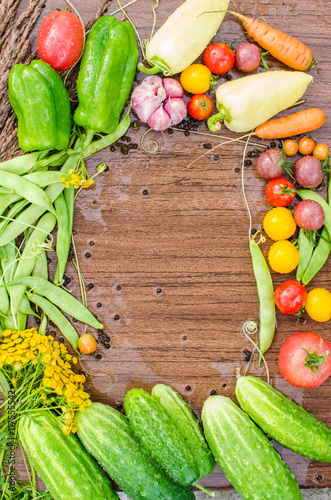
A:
x: 200, y: 487
x: 148, y: 71
x: 214, y: 124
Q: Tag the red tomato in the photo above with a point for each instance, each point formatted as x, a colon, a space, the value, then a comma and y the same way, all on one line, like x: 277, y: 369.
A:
x: 280, y: 192
x: 290, y: 297
x: 304, y: 360
x: 200, y: 106
x: 61, y: 39
x: 219, y: 58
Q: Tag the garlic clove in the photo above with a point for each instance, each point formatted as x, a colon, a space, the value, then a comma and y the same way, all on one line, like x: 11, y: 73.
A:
x: 176, y: 109
x: 160, y: 120
x: 172, y: 88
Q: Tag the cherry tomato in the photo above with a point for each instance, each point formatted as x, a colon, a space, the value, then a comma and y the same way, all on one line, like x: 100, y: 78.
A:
x: 290, y: 297
x: 291, y: 147
x: 87, y: 344
x: 318, y: 305
x: 304, y: 360
x: 321, y: 151
x: 306, y: 145
x: 219, y: 58
x: 280, y: 192
x: 200, y: 106
x: 196, y: 79
x: 279, y: 224
x: 61, y: 39
x: 283, y: 256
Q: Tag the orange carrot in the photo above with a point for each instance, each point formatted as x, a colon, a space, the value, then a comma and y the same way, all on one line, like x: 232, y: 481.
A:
x: 299, y: 123
x: 283, y: 47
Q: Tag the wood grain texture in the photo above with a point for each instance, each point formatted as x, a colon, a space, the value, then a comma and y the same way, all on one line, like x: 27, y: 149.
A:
x: 171, y: 270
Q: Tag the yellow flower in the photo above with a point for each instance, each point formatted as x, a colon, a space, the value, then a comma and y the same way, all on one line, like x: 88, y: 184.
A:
x: 47, y: 382
x: 43, y: 395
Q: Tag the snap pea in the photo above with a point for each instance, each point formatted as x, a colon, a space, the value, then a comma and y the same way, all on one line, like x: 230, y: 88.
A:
x: 60, y: 298
x: 21, y: 164
x: 306, y: 248
x: 44, y: 179
x: 3, y: 253
x: 25, y: 307
x: 40, y: 269
x: 27, y: 190
x: 6, y: 199
x: 27, y: 262
x: 318, y: 258
x: 9, y: 264
x: 265, y: 291
x: 14, y: 210
x: 63, y: 324
x: 43, y: 325
x: 62, y: 238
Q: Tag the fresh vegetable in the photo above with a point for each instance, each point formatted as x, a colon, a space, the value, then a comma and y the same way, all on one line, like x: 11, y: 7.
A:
x: 306, y: 246
x: 290, y: 297
x: 106, y: 74
x: 200, y: 106
x: 283, y: 47
x: 248, y: 57
x: 196, y: 79
x: 291, y: 147
x: 265, y: 291
x: 268, y: 164
x: 61, y: 39
x: 299, y: 123
x: 159, y: 102
x: 184, y: 36
x: 219, y: 58
x: 280, y: 192
x: 283, y: 256
x: 309, y: 215
x: 62, y: 462
x: 306, y: 145
x: 304, y: 360
x: 107, y: 435
x: 283, y: 420
x: 87, y: 344
x: 41, y: 103
x: 308, y: 172
x: 247, y: 102
x: 318, y: 305
x: 187, y: 424
x: 244, y: 454
x: 279, y: 223
x: 159, y: 436
x: 321, y: 151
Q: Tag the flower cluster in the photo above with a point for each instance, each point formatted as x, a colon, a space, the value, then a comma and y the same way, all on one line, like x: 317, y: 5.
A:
x: 77, y: 180
x: 56, y: 381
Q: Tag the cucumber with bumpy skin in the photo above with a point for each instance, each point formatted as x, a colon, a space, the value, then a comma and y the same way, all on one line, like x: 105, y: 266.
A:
x: 188, y: 426
x: 283, y: 420
x: 65, y: 466
x: 107, y: 435
x: 245, y: 454
x: 159, y: 436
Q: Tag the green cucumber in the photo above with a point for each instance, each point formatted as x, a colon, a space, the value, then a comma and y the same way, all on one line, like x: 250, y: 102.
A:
x: 107, y: 435
x: 245, y: 454
x: 160, y: 437
x: 188, y: 426
x: 283, y: 420
x: 67, y: 469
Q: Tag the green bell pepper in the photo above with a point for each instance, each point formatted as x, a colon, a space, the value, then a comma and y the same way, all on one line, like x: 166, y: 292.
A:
x: 41, y: 103
x: 106, y: 74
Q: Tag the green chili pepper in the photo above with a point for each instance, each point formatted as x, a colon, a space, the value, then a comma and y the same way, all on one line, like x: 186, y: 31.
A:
x: 41, y: 103
x: 265, y: 291
x: 106, y: 74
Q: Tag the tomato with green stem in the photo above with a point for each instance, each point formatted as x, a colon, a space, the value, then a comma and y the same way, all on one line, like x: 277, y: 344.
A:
x: 280, y: 192
x: 304, y: 360
x: 290, y: 297
x: 197, y: 79
x: 200, y: 106
x: 219, y: 57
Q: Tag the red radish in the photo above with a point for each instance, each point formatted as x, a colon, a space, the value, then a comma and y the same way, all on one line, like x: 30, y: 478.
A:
x: 308, y: 172
x: 267, y: 164
x: 248, y: 57
x: 309, y: 215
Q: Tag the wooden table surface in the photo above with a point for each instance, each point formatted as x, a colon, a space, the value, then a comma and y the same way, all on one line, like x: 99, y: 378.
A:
x: 163, y: 247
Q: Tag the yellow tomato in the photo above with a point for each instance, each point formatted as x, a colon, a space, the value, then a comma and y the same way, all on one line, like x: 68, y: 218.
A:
x: 291, y: 147
x: 87, y: 344
x: 279, y: 224
x: 318, y: 304
x: 283, y: 256
x: 321, y: 151
x: 196, y: 79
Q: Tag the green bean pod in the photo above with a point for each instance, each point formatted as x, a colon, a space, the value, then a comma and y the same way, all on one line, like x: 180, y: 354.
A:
x: 319, y: 257
x: 44, y: 178
x: 21, y: 164
x: 15, y: 209
x: 40, y: 269
x: 265, y: 291
x: 27, y: 262
x: 7, y: 198
x: 306, y: 248
x: 62, y: 239
x: 25, y: 307
x: 4, y: 297
x: 60, y: 298
x: 55, y: 315
x: 9, y: 264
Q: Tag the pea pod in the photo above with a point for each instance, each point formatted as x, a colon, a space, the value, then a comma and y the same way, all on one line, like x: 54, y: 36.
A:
x: 306, y: 248
x: 265, y: 291
x: 21, y: 164
x: 62, y: 239
x: 15, y: 209
x: 44, y: 179
x: 40, y: 269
